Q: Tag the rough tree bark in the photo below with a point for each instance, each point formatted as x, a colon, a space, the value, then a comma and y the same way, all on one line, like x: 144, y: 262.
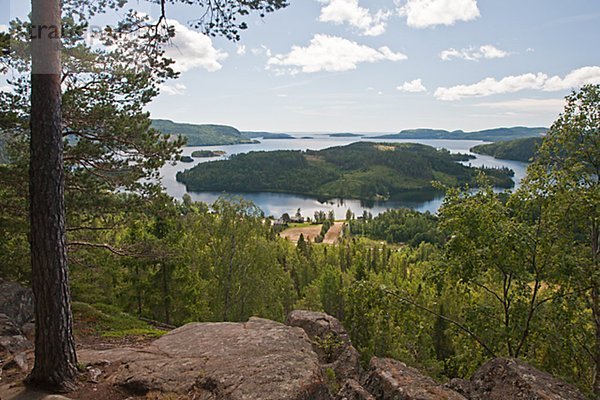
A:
x: 55, y: 359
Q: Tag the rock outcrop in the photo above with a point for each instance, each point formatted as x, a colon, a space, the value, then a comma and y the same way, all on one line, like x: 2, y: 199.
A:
x: 16, y: 310
x: 267, y: 360
x: 502, y: 378
x: 16, y: 302
x: 389, y: 379
x: 352, y: 390
x: 330, y: 341
x: 259, y: 359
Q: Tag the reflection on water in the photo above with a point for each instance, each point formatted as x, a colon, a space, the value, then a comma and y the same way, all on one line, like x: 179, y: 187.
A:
x: 278, y: 203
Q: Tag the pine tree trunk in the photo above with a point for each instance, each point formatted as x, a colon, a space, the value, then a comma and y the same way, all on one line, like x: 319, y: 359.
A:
x: 596, y: 314
x: 55, y: 359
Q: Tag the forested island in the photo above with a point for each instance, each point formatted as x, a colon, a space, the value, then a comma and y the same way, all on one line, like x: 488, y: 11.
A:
x: 518, y: 149
x: 266, y: 135
x: 208, y: 153
x: 490, y: 135
x: 367, y: 171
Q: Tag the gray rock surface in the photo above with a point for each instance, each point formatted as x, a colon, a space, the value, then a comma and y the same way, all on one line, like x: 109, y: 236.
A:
x: 16, y: 302
x: 389, y: 379
x: 11, y: 337
x: 259, y: 359
x: 330, y: 341
x: 352, y: 390
x: 502, y: 378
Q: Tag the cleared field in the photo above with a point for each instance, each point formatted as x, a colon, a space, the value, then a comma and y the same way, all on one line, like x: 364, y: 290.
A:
x: 310, y: 232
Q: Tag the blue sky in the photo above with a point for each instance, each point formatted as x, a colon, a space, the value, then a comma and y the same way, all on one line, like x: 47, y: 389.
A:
x: 383, y: 65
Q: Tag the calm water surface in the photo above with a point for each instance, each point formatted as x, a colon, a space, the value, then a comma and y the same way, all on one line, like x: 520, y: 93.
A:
x: 277, y: 203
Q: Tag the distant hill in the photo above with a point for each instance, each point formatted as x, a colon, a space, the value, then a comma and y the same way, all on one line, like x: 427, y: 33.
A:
x: 362, y: 170
x: 490, y: 135
x: 201, y: 135
x: 518, y: 149
x: 266, y: 135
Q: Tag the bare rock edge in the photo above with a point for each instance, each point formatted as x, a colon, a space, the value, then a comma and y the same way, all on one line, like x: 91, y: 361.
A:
x: 263, y: 359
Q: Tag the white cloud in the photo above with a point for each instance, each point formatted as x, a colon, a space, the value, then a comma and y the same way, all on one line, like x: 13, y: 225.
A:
x: 553, y: 105
x: 330, y: 53
x: 511, y: 84
x: 173, y: 90
x: 490, y: 86
x: 3, y: 28
x: 414, y: 86
x: 241, y: 49
x: 426, y: 13
x: 348, y: 11
x: 5, y: 88
x: 574, y: 79
x: 474, y: 54
x: 191, y: 49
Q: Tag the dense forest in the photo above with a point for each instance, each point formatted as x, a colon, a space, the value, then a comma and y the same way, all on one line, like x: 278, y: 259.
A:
x: 518, y: 149
x: 491, y: 135
x: 360, y: 170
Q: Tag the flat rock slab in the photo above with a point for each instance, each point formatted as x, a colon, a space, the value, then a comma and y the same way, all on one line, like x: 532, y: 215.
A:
x: 389, y: 379
x: 259, y: 359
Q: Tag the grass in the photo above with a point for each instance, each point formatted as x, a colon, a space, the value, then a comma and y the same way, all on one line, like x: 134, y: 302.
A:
x: 300, y: 224
x: 109, y: 322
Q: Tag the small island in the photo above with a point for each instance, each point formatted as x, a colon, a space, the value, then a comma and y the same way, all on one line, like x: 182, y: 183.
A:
x: 362, y: 170
x: 208, y: 153
x: 344, y: 134
x: 266, y: 135
x: 186, y: 159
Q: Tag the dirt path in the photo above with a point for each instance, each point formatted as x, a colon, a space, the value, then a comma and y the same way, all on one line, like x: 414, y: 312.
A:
x: 334, y: 233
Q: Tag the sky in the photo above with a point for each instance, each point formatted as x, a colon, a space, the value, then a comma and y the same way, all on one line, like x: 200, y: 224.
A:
x: 380, y: 65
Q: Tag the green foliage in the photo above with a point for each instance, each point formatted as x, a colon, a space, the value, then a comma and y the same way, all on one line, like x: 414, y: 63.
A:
x: 200, y: 135
x: 492, y: 135
x: 518, y: 149
x: 361, y: 170
x: 399, y: 226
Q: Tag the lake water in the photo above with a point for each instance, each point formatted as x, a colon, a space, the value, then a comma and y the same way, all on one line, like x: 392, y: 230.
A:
x: 277, y: 203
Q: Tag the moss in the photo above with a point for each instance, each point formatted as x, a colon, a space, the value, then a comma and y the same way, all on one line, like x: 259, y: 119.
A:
x: 110, y: 322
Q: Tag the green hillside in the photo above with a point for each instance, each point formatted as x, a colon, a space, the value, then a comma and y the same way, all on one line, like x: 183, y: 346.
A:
x: 201, y: 135
x: 362, y: 170
x: 518, y: 149
x: 490, y: 135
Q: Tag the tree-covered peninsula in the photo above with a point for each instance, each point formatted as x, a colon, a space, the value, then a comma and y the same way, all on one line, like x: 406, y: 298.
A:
x: 367, y: 171
x: 518, y: 149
